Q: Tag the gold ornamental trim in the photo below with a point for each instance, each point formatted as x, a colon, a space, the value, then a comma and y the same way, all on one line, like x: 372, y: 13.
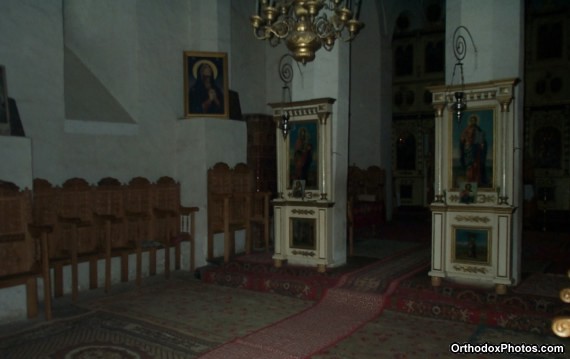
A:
x: 308, y: 195
x: 470, y: 269
x: 303, y: 253
x: 472, y: 208
x: 561, y: 326
x: 565, y: 295
x: 302, y: 211
x: 481, y: 198
x: 485, y: 198
x: 475, y: 219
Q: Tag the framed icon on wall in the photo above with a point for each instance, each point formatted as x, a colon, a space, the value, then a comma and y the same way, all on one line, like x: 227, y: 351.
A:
x: 206, y: 91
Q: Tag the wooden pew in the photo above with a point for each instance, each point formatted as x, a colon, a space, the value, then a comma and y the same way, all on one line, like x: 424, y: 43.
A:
x: 108, y: 210
x: 23, y: 247
x: 138, y: 204
x: 78, y: 230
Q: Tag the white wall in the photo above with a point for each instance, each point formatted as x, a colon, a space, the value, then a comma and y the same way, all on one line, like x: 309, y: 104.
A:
x: 135, y: 48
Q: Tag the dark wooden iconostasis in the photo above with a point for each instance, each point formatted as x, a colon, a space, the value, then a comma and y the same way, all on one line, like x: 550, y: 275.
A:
x: 419, y: 62
x: 547, y: 116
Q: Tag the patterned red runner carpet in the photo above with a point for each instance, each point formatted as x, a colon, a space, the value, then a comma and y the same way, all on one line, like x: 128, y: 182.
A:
x: 523, y: 308
x: 357, y: 298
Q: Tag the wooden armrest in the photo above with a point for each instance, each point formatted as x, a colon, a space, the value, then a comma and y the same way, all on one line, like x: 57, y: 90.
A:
x: 12, y: 237
x: 73, y: 220
x: 108, y: 217
x: 220, y: 195
x: 241, y: 195
x: 185, y: 211
x: 136, y: 215
x: 262, y: 194
x: 36, y: 230
x: 164, y: 212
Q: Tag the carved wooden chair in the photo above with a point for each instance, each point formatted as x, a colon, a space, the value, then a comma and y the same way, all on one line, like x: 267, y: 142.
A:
x: 108, y: 211
x: 255, y: 205
x: 173, y: 223
x: 44, y: 207
x: 23, y: 247
x: 219, y: 199
x: 365, y: 201
x: 226, y: 210
x: 234, y: 205
x: 75, y: 216
x: 138, y: 206
x: 188, y: 233
x: 166, y: 218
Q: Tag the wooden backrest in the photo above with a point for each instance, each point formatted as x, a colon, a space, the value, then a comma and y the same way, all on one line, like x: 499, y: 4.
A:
x: 368, y: 182
x: 242, y: 187
x: 45, y: 205
x: 138, y: 196
x: 18, y: 251
x: 76, y: 199
x: 219, y: 185
x: 242, y: 179
x: 375, y: 177
x: 220, y: 179
x: 167, y: 194
x: 231, y: 186
x: 355, y: 182
x: 45, y: 202
x: 108, y: 197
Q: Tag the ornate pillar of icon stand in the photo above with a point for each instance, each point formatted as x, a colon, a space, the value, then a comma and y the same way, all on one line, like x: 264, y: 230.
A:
x: 472, y: 214
x: 303, y: 209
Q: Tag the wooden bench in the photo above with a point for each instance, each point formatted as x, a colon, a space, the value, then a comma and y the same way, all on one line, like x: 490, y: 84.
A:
x: 23, y: 247
x: 110, y: 220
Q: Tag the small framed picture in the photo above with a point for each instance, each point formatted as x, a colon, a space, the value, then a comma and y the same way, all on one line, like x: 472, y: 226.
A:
x: 4, y: 105
x: 206, y: 84
x: 467, y: 192
x: 298, y: 188
x: 471, y: 245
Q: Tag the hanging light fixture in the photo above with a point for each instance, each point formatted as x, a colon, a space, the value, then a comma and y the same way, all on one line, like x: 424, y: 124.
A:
x: 459, y: 104
x: 286, y: 75
x: 304, y: 24
x: 284, y: 122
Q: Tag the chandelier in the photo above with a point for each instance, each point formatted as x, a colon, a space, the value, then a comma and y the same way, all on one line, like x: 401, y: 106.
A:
x: 303, y: 26
x: 459, y: 104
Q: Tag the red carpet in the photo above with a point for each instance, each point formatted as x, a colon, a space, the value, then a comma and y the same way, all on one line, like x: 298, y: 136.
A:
x: 358, y: 298
x: 520, y: 309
